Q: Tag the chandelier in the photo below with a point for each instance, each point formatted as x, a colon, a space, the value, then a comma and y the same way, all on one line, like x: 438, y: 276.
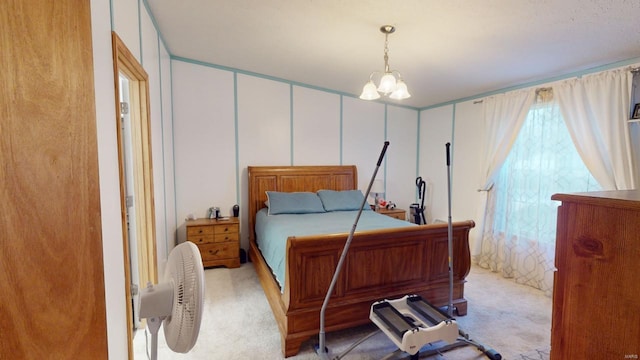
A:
x: 389, y: 85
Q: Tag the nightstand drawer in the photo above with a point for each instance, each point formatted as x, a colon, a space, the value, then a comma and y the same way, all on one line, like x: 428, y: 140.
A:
x: 219, y: 251
x: 226, y: 229
x: 226, y: 237
x: 201, y: 239
x: 200, y: 234
x: 199, y: 230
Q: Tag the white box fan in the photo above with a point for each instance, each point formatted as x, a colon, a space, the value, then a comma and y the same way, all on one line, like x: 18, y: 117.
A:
x: 177, y: 301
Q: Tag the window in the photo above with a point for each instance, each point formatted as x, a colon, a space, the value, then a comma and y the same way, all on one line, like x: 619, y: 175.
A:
x: 542, y: 162
x: 520, y: 240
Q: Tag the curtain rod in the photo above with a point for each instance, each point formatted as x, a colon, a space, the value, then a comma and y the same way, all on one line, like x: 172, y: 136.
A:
x: 543, y: 88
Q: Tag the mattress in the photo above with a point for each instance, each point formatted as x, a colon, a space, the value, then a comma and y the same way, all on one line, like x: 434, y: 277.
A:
x: 272, y: 231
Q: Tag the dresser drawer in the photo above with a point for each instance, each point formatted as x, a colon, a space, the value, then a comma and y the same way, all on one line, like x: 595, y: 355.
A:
x: 226, y: 237
x: 201, y: 239
x: 199, y: 230
x: 225, y: 228
x: 200, y: 234
x: 219, y: 251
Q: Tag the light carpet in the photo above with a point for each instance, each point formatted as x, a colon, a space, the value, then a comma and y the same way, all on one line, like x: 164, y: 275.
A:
x: 237, y: 323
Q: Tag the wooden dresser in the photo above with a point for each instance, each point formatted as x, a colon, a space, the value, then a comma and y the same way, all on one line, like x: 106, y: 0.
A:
x: 596, y: 294
x: 217, y: 240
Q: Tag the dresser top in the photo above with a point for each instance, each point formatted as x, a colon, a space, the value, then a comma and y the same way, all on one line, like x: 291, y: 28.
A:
x: 616, y: 198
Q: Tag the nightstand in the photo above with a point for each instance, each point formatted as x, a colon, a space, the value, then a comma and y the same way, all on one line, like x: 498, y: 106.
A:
x: 218, y: 241
x: 399, y: 214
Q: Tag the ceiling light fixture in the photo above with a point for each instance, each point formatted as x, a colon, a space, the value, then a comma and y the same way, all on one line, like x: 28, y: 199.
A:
x: 390, y: 86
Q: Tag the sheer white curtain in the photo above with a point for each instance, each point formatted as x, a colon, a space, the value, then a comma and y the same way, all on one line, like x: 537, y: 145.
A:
x: 503, y: 118
x: 503, y: 115
x: 519, y: 232
x: 596, y: 108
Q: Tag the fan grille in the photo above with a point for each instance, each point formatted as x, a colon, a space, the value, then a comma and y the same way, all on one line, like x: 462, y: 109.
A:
x: 185, y: 269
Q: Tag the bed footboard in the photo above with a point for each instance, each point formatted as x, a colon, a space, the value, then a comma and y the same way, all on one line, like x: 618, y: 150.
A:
x: 380, y: 264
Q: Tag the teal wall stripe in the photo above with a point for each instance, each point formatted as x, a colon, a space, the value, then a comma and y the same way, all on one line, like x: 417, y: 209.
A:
x: 291, y: 122
x: 235, y: 119
x: 268, y: 77
x: 164, y: 160
x: 111, y: 19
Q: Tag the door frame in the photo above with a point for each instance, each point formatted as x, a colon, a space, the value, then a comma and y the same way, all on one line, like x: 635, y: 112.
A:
x: 139, y: 109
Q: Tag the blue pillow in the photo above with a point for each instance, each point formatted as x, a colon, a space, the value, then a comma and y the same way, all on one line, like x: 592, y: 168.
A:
x: 344, y: 200
x: 293, y: 203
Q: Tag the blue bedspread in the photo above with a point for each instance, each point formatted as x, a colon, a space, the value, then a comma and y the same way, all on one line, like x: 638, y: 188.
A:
x: 272, y: 231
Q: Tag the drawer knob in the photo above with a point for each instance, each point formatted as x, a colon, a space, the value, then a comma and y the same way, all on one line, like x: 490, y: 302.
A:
x: 213, y: 252
x: 200, y: 231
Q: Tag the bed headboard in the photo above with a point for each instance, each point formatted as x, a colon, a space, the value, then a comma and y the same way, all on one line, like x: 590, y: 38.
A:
x: 295, y: 178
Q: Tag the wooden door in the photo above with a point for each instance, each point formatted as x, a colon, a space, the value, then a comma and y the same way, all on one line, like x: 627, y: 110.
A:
x: 52, y: 296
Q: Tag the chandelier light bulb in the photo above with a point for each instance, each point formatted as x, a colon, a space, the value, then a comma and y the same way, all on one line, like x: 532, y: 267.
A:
x: 387, y: 84
x: 369, y: 92
x: 401, y: 92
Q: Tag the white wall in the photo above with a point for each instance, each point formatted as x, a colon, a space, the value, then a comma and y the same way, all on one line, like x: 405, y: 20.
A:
x: 316, y: 127
x: 253, y: 121
x: 401, y: 159
x: 435, y: 131
x: 467, y: 142
x: 132, y: 22
x: 460, y: 125
x: 167, y: 153
x: 204, y: 140
x: 109, y: 181
x: 125, y: 15
x: 264, y: 133
x: 362, y: 137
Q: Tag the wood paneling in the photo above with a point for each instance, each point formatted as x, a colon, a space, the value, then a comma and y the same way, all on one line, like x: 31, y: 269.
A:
x: 51, y: 266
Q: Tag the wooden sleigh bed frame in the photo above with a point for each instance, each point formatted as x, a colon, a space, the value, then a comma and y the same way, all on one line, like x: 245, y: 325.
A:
x: 380, y: 264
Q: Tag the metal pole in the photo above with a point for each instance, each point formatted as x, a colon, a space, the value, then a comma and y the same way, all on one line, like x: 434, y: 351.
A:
x: 322, y: 350
x: 450, y: 233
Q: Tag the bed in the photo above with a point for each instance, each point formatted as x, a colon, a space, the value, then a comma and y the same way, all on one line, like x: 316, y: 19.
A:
x: 383, y: 263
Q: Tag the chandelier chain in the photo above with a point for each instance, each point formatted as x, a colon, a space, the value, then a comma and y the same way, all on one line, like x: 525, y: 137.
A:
x: 386, y: 53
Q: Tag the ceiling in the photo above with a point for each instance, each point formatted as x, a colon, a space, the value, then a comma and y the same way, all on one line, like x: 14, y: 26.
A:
x: 445, y: 49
